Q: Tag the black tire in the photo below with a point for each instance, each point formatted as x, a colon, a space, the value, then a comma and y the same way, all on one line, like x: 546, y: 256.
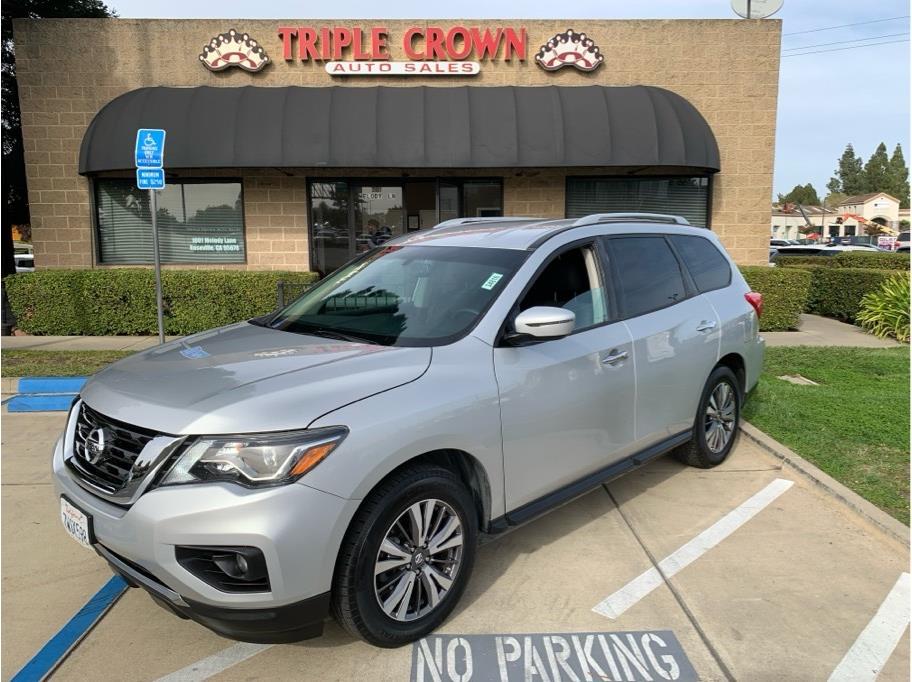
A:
x: 697, y: 452
x: 354, y: 601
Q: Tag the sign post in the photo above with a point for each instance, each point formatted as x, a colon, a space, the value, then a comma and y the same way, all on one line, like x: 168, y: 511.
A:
x: 150, y: 175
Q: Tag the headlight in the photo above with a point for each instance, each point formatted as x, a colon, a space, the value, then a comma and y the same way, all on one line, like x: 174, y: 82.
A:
x: 259, y: 459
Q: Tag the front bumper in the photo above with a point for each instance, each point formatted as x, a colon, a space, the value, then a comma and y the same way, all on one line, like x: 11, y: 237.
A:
x: 277, y: 625
x: 297, y: 528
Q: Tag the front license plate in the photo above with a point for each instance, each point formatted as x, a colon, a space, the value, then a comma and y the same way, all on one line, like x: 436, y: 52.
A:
x: 76, y: 522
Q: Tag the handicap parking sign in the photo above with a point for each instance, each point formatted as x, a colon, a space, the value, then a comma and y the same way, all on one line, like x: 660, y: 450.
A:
x: 150, y: 148
x: 150, y: 178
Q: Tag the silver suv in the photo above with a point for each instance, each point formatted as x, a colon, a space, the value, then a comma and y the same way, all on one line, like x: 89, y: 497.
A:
x: 344, y: 453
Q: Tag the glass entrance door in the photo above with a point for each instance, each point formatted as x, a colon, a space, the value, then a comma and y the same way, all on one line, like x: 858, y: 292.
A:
x: 378, y: 215
x: 348, y: 217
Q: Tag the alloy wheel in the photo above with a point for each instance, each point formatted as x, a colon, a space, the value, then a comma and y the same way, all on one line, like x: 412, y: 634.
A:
x: 720, y: 416
x: 418, y: 560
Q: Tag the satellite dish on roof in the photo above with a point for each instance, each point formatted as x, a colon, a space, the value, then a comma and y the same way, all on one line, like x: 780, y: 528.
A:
x: 756, y: 9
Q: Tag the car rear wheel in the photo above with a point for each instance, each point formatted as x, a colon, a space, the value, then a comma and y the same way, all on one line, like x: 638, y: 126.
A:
x: 406, y: 558
x: 716, y: 423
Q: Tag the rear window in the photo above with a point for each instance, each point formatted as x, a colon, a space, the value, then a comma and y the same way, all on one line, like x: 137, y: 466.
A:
x: 903, y: 237
x: 649, y: 277
x: 708, y: 267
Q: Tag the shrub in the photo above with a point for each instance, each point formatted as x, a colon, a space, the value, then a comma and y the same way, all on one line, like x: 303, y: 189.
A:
x: 122, y: 301
x: 785, y: 294
x: 47, y: 303
x: 875, y: 260
x: 837, y: 292
x: 885, y: 312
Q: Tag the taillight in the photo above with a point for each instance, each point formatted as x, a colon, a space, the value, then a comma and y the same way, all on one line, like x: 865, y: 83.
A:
x: 756, y: 300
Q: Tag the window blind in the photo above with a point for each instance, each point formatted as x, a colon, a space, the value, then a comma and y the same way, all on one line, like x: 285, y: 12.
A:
x: 198, y: 222
x: 685, y: 196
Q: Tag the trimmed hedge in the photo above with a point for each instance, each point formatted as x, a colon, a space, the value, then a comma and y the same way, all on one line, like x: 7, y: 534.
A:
x: 837, y: 292
x: 122, y: 301
x: 876, y: 260
x: 785, y: 294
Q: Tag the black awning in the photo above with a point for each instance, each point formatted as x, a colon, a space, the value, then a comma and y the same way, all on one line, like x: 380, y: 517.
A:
x: 404, y: 127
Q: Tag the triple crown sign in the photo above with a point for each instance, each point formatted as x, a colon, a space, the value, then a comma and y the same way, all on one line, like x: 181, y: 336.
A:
x: 150, y: 155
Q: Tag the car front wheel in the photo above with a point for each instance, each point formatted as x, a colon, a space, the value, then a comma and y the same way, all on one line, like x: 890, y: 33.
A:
x: 406, y: 558
x: 716, y: 423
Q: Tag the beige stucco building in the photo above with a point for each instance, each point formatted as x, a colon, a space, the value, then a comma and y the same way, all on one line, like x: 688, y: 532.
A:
x: 303, y: 188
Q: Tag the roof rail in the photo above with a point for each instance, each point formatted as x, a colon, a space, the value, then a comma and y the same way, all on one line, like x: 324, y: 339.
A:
x: 597, y: 218
x: 488, y: 219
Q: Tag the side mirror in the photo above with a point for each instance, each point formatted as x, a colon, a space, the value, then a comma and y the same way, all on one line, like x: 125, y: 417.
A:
x: 544, y: 322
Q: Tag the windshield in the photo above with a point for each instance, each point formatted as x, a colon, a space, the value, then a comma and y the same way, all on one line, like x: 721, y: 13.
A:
x: 404, y: 295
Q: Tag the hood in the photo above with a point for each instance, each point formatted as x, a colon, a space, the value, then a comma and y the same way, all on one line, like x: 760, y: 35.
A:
x: 244, y: 378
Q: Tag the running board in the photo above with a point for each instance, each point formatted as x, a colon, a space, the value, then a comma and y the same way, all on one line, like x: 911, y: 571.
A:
x: 577, y: 488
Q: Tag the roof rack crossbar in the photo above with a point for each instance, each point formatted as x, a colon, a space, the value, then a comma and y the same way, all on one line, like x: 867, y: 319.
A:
x: 487, y: 219
x: 598, y: 218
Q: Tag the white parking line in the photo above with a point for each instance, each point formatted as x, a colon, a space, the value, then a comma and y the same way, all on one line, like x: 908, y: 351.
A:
x: 874, y: 646
x: 617, y: 603
x: 216, y: 663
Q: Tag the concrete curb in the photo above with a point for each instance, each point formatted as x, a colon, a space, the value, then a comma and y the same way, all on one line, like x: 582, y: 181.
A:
x: 850, y: 499
x: 9, y: 385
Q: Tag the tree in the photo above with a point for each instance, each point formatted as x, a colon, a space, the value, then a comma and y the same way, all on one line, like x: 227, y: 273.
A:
x: 898, y: 177
x: 833, y: 199
x: 876, y: 171
x: 805, y: 195
x: 15, y: 196
x: 850, y: 177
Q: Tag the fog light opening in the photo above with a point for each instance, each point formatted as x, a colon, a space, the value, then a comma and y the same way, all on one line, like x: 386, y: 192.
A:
x: 230, y: 569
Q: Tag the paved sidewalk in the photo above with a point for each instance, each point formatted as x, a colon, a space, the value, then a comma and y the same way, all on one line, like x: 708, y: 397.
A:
x: 814, y: 330
x: 132, y: 343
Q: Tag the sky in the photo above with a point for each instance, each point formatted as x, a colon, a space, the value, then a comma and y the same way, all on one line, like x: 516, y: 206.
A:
x: 826, y: 100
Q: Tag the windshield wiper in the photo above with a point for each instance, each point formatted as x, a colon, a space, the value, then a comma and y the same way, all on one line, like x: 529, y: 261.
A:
x: 333, y: 334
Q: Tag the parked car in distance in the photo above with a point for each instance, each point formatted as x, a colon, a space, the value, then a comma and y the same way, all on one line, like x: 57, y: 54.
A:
x: 780, y: 242
x: 345, y: 453
x: 822, y: 250
x: 902, y: 240
x: 25, y: 262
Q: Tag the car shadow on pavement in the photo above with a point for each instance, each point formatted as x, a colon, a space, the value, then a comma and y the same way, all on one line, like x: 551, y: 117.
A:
x: 536, y: 547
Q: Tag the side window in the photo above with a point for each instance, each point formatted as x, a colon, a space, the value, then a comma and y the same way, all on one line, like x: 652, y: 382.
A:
x: 709, y: 268
x: 571, y: 280
x: 649, y: 277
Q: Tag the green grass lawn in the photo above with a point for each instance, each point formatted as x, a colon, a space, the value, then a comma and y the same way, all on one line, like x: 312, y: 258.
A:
x: 854, y: 425
x: 56, y: 363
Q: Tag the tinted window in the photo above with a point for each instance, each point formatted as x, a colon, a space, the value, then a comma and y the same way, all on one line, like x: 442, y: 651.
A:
x: 198, y: 222
x: 404, y: 296
x: 649, y: 277
x: 707, y: 266
x: 688, y: 197
x: 571, y: 281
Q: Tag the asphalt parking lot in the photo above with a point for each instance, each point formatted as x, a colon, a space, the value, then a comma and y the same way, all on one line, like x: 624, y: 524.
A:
x: 760, y: 577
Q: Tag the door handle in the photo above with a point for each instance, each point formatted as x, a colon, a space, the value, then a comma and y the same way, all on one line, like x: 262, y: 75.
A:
x: 615, y: 357
x: 706, y: 325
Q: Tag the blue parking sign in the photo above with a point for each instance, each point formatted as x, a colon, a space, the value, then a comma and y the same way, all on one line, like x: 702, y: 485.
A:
x: 150, y: 178
x: 150, y: 148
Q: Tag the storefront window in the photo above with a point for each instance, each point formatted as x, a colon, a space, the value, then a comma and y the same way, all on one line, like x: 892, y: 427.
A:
x: 198, y: 222
x: 686, y: 196
x: 482, y: 199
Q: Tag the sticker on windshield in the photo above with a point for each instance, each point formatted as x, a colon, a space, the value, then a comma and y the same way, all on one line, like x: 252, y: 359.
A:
x: 195, y: 353
x: 492, y: 281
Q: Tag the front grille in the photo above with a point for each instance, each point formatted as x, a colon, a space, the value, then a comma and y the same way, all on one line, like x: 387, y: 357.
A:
x: 124, y: 443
